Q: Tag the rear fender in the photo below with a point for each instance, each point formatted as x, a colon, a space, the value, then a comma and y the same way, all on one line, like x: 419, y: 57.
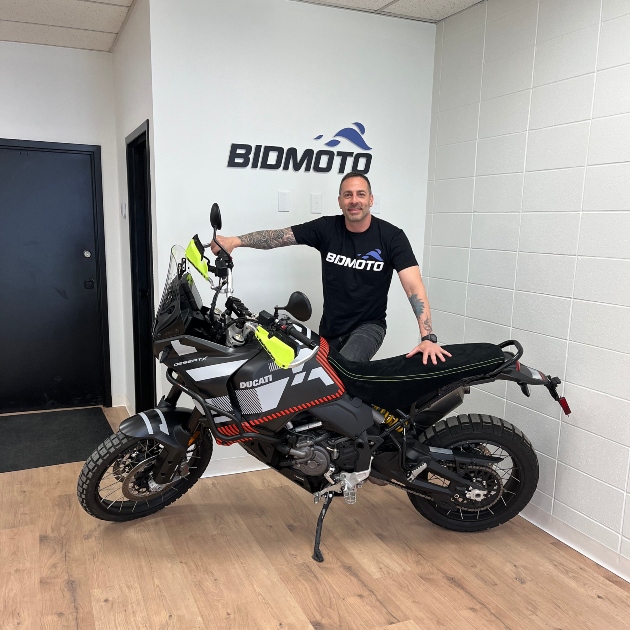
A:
x: 163, y: 424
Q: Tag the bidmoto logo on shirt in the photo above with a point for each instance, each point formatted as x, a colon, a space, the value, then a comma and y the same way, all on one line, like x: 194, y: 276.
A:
x: 360, y: 262
x: 275, y: 157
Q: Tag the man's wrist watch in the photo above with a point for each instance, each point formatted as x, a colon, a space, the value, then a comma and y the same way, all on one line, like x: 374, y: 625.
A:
x: 430, y: 337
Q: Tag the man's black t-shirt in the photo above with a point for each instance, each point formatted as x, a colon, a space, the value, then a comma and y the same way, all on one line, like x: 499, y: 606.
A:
x: 357, y: 269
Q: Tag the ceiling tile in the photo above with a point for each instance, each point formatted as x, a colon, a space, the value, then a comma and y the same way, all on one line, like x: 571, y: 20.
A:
x: 366, y: 5
x: 120, y: 3
x: 431, y: 10
x: 55, y: 36
x: 89, y: 16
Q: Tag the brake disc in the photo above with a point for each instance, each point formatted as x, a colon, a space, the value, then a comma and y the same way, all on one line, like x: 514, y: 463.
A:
x: 474, y: 500
x: 138, y: 484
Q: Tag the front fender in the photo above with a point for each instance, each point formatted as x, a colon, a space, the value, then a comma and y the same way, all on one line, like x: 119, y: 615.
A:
x: 165, y: 425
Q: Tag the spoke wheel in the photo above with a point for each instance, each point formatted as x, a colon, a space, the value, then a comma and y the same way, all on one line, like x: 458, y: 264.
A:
x: 116, y: 483
x: 508, y: 485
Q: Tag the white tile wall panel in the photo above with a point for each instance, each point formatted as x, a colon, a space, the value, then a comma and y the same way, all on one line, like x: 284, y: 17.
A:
x: 567, y: 56
x: 543, y: 501
x: 452, y: 230
x: 546, y: 468
x: 502, y: 154
x: 586, y: 525
x: 549, y: 232
x: 437, y: 67
x: 508, y: 74
x: 625, y: 544
x: 607, y: 187
x: 489, y: 304
x: 562, y: 102
x: 495, y: 231
x: 603, y: 280
x: 433, y: 132
x: 511, y: 32
x: 448, y: 296
x: 544, y: 314
x: 430, y: 196
x: 615, y: 8
x: 461, y: 69
x: 454, y: 195
x: 479, y: 401
x: 614, y: 43
x: 449, y: 263
x: 472, y: 17
x: 594, y: 455
x: 559, y: 17
x: 497, y: 388
x: 599, y: 369
x: 485, y: 332
x: 458, y: 124
x: 612, y: 92
x: 504, y: 114
x: 455, y: 160
x: 589, y: 496
x: 558, y: 190
x: 426, y: 262
x: 428, y: 227
x: 542, y: 431
x: 598, y: 413
x: 626, y: 523
x: 498, y: 193
x: 558, y: 147
x: 550, y: 274
x: 610, y: 139
x: 448, y: 327
x: 492, y: 268
x: 605, y: 235
x: 432, y: 156
x: 499, y: 8
x: 601, y: 325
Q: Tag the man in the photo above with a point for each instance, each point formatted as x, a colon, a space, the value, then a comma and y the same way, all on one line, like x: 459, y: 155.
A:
x: 359, y: 253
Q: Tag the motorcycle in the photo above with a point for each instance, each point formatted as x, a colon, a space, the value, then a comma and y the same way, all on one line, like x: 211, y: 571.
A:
x: 267, y: 382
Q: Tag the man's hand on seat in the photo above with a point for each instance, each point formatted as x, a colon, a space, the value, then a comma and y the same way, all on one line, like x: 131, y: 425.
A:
x: 430, y: 349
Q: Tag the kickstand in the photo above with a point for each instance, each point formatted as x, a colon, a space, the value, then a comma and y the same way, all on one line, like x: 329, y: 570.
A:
x: 317, y: 554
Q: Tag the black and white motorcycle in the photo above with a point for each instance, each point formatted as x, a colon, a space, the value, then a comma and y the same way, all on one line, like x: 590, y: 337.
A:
x: 267, y: 382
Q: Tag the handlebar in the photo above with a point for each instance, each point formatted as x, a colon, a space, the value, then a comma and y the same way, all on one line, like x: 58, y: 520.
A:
x: 291, y: 330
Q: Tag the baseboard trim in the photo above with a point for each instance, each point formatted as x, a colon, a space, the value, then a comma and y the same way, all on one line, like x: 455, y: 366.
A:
x: 121, y: 400
x: 575, y: 539
x: 232, y: 466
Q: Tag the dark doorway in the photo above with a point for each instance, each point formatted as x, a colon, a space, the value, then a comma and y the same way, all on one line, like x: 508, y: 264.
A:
x: 139, y: 187
x: 53, y: 293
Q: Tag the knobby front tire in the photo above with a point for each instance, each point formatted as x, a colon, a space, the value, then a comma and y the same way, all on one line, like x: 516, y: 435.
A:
x: 115, y: 483
x: 512, y: 481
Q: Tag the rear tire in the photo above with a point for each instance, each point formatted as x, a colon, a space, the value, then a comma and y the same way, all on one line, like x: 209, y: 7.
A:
x: 115, y: 483
x: 514, y: 479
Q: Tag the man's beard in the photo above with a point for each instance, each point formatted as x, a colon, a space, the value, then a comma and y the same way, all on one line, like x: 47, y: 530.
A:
x: 356, y: 217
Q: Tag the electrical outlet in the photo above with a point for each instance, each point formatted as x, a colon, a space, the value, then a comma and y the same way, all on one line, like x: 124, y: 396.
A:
x: 376, y: 207
x: 316, y: 203
x: 284, y: 201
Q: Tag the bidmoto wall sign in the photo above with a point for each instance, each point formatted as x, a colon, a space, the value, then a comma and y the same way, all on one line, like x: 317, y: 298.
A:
x: 272, y: 157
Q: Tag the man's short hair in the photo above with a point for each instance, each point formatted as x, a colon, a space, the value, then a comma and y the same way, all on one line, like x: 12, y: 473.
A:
x: 355, y: 174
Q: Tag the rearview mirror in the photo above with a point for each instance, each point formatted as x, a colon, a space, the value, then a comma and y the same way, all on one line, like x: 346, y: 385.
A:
x: 215, y: 216
x: 299, y: 306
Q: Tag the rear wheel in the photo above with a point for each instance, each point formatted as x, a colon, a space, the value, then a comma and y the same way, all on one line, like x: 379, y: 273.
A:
x: 116, y: 483
x: 509, y: 485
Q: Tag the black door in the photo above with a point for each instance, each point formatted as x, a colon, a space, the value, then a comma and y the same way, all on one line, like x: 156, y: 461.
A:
x: 53, y: 315
x: 139, y: 188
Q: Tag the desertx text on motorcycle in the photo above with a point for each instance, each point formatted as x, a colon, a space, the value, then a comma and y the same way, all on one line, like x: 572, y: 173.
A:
x: 265, y: 381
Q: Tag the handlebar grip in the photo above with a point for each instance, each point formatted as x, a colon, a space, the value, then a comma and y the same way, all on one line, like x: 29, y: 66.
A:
x: 296, y: 334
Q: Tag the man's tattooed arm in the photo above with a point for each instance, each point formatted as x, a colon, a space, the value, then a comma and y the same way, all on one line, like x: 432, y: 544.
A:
x: 268, y: 239
x: 418, y: 308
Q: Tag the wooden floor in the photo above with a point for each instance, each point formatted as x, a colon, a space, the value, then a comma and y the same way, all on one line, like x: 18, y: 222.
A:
x: 235, y: 553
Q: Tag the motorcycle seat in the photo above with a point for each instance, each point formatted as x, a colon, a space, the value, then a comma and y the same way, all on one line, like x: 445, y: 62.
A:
x: 398, y: 382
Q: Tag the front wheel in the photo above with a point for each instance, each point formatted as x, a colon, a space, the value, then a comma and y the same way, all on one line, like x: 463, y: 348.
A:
x: 509, y: 484
x: 116, y: 483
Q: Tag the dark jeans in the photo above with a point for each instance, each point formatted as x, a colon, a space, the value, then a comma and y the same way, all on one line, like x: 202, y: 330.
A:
x: 361, y: 344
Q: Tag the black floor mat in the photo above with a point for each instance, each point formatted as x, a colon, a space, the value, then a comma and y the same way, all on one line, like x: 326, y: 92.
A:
x: 32, y: 440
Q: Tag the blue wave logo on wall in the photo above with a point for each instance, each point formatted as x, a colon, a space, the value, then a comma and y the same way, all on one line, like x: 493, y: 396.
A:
x: 350, y: 134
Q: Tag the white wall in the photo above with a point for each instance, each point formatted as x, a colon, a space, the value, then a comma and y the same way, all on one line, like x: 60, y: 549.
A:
x: 527, y: 234
x: 280, y: 73
x: 133, y: 105
x: 64, y: 95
